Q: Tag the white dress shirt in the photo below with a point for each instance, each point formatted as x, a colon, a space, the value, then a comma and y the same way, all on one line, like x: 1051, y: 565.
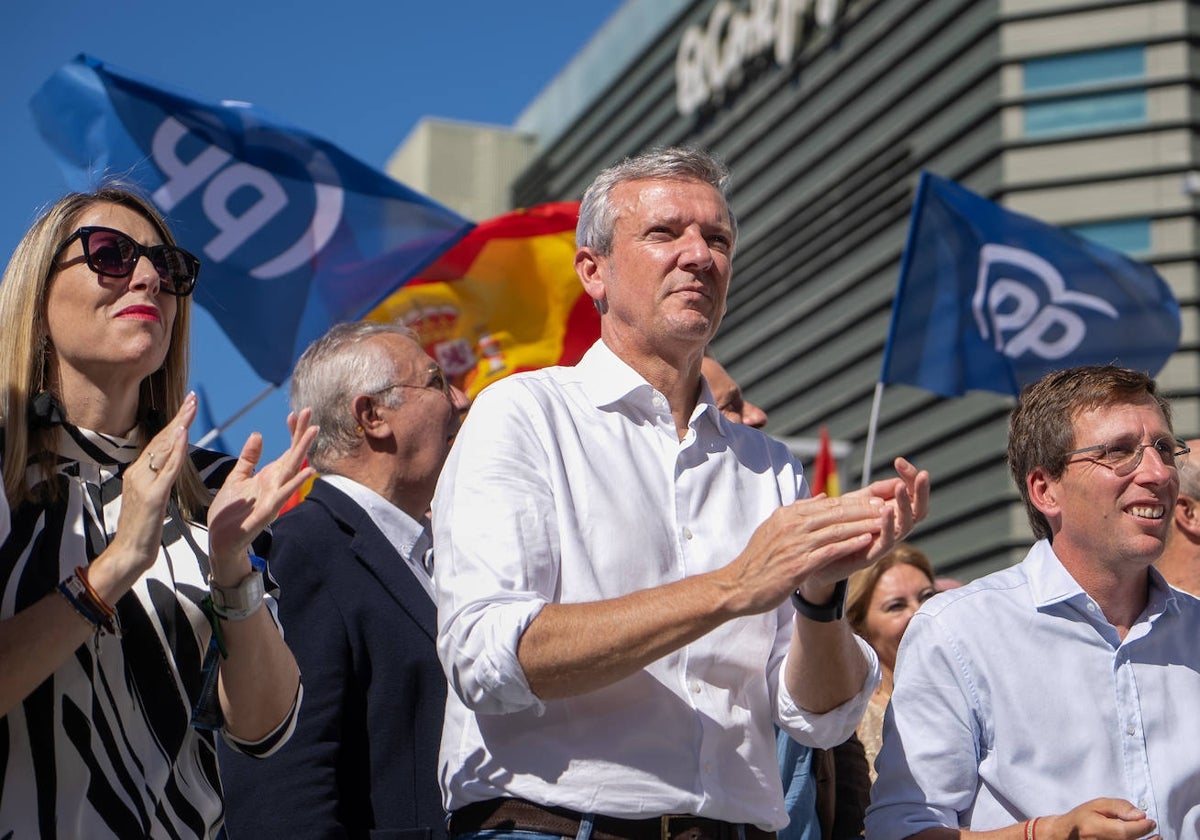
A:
x: 1016, y: 699
x: 571, y: 485
x: 411, y: 538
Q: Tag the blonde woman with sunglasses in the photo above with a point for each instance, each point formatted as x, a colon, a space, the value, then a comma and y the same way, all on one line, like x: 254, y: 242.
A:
x: 132, y: 627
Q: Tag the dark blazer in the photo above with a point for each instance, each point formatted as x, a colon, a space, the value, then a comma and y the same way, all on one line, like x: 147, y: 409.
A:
x: 363, y: 759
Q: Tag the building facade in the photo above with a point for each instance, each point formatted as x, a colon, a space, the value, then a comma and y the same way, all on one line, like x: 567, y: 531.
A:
x: 1081, y: 113
x: 467, y: 166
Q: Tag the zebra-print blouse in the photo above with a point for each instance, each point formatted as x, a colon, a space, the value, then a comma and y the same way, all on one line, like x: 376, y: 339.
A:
x: 108, y: 746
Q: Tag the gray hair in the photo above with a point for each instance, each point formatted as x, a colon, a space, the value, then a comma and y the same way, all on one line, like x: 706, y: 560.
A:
x: 1189, y: 477
x: 332, y: 371
x: 598, y: 216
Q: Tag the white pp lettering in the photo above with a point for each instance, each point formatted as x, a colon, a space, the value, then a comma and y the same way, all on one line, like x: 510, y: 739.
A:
x: 211, y: 170
x: 1008, y: 312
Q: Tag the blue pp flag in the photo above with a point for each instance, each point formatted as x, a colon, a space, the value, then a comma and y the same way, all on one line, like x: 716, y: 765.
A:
x: 293, y: 233
x: 992, y: 300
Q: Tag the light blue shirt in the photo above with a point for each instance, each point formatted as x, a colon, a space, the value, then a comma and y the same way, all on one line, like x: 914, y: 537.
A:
x: 1015, y: 698
x: 799, y: 789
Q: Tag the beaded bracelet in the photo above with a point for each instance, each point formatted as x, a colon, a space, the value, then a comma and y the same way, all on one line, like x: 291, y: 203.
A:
x: 1031, y: 828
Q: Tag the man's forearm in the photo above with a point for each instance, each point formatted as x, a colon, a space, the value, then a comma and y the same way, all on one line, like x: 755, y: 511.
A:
x: 572, y: 649
x: 825, y: 666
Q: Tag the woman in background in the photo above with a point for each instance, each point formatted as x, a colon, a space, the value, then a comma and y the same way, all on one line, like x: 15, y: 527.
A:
x: 129, y: 631
x: 880, y: 601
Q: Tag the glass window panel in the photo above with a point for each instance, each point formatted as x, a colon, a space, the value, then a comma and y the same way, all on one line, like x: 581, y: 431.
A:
x: 1067, y: 71
x: 1130, y: 236
x: 1077, y: 113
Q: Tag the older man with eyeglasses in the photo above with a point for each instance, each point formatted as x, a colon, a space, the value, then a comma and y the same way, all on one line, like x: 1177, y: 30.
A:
x: 1058, y: 698
x: 359, y: 611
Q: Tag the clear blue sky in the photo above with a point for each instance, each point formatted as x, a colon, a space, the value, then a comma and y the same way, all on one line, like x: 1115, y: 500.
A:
x: 360, y: 73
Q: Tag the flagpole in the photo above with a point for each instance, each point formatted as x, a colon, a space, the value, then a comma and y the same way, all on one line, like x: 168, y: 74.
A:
x: 212, y: 434
x: 874, y: 421
x: 905, y: 261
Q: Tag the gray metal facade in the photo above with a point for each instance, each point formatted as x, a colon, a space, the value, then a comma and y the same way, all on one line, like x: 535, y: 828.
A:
x: 825, y: 153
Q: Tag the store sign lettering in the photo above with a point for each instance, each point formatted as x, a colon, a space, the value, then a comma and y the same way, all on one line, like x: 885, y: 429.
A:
x: 712, y: 58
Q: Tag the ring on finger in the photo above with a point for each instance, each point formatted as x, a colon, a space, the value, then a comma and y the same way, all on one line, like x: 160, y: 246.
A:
x: 153, y: 468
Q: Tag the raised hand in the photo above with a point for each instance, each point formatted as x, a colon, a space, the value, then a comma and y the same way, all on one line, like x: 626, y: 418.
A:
x: 145, y: 490
x: 813, y: 543
x: 818, y: 540
x: 907, y: 496
x: 248, y: 501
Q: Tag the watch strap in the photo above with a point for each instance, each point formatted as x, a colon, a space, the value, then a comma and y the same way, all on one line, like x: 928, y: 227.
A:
x: 833, y: 610
x: 239, y: 602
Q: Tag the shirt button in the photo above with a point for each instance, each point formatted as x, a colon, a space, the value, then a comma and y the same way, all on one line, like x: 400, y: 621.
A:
x: 687, y: 533
x: 1141, y: 804
x: 1131, y: 730
x: 1091, y: 607
x: 695, y: 687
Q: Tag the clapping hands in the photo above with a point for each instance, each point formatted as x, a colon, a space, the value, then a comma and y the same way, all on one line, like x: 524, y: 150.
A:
x: 248, y: 501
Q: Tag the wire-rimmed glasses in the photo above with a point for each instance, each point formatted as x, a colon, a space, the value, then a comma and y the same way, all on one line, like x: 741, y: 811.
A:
x: 1124, y: 456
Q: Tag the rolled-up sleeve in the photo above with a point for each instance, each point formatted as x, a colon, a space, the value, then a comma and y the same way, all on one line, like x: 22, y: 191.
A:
x: 280, y: 735
x: 827, y: 729
x: 496, y: 554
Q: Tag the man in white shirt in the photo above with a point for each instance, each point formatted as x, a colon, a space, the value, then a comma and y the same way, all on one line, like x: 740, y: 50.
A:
x: 1057, y: 699
x: 616, y: 560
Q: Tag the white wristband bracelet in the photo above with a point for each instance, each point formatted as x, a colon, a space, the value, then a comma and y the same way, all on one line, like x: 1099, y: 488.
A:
x: 239, y: 602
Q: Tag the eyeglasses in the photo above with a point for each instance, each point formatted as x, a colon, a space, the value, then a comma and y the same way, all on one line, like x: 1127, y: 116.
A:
x: 114, y: 254
x: 437, y: 382
x: 1123, y: 457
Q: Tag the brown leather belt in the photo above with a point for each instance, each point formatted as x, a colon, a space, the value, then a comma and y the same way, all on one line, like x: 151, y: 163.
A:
x: 520, y: 815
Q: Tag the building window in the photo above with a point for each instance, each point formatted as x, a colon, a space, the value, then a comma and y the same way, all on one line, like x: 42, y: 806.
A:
x: 1080, y: 69
x: 1079, y: 109
x: 1130, y: 236
x: 1081, y: 113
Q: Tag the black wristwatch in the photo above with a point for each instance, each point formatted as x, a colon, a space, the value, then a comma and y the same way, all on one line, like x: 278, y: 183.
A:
x: 831, y: 611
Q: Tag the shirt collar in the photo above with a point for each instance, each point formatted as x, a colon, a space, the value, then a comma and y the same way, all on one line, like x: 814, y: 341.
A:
x: 708, y: 405
x: 93, y: 447
x: 1051, y: 583
x: 609, y: 382
x: 401, y: 530
x: 1162, y: 596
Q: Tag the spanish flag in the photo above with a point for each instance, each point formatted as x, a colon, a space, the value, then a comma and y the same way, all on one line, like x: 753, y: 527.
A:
x: 504, y: 299
x: 825, y: 476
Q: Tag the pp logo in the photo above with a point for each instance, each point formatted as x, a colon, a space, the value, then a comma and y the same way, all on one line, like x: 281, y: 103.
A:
x: 1018, y: 318
x: 220, y: 181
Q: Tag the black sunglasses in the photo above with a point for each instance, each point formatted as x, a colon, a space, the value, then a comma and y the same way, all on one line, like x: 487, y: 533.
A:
x: 114, y: 254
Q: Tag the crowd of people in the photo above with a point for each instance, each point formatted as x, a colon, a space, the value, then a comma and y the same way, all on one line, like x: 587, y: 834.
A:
x: 602, y: 604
